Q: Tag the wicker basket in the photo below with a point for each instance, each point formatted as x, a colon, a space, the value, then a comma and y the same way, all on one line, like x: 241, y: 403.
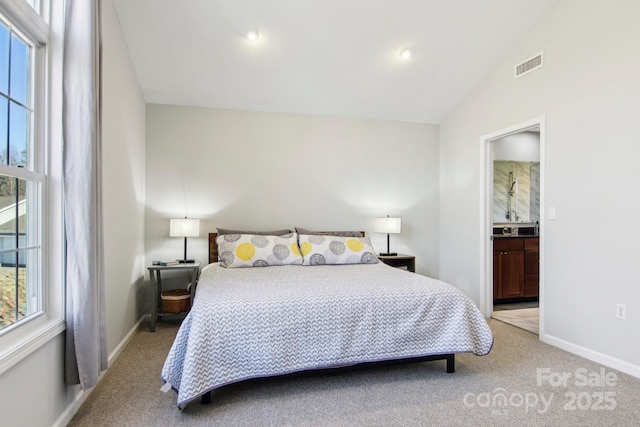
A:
x: 176, y: 301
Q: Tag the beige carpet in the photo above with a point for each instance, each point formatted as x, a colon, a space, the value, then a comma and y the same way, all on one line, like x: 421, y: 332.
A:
x: 404, y: 395
x: 524, y: 318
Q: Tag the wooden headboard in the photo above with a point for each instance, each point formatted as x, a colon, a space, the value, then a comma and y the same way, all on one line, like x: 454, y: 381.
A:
x: 213, y: 247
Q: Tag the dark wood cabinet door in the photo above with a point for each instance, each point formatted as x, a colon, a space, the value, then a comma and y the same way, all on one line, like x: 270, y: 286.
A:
x: 512, y: 274
x: 497, y: 276
x: 508, y: 274
x: 531, y: 286
x: 531, y: 273
x: 531, y: 262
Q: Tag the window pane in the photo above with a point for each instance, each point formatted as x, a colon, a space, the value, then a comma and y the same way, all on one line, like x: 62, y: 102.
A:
x: 4, y: 59
x: 18, y: 134
x: 15, y: 301
x: 18, y: 291
x: 19, y: 77
x: 12, y: 207
x: 4, y: 130
x: 23, y: 304
x: 8, y: 296
x: 22, y: 215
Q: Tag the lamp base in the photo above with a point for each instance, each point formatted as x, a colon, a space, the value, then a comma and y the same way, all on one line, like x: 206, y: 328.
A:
x: 186, y: 261
x: 388, y: 253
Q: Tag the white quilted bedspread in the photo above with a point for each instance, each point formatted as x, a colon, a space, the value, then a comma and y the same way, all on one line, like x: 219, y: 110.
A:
x: 258, y: 322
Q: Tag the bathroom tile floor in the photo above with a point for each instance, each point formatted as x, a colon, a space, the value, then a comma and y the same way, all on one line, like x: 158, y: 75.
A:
x: 522, y: 315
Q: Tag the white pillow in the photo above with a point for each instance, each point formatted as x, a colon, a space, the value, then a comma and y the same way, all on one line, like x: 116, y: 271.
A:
x: 319, y: 250
x: 252, y: 250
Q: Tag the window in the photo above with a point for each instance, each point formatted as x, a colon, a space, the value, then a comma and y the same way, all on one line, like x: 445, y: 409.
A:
x: 20, y: 293
x: 31, y: 238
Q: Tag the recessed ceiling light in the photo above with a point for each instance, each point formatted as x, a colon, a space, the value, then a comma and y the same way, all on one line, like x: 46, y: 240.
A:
x: 405, y: 53
x: 253, y: 35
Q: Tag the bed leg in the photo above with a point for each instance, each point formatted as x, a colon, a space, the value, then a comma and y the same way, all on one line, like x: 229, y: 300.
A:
x: 205, y: 399
x: 451, y: 363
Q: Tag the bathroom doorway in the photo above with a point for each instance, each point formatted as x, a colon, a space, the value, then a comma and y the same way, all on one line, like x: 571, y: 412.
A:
x: 513, y: 208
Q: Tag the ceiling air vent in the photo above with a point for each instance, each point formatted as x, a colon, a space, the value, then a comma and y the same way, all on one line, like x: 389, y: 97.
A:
x: 528, y: 65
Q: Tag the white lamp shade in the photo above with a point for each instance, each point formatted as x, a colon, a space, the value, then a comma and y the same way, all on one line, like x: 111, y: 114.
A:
x: 184, y: 227
x: 388, y: 225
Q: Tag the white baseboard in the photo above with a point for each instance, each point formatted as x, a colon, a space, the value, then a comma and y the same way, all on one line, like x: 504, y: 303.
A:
x: 82, y: 395
x: 606, y: 360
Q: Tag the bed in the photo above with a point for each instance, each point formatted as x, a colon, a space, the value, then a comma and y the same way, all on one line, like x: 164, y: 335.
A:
x: 279, y: 319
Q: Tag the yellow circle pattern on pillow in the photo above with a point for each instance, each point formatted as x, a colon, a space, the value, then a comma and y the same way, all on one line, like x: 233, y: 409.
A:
x: 355, y: 245
x: 295, y: 249
x: 306, y: 248
x: 245, y: 251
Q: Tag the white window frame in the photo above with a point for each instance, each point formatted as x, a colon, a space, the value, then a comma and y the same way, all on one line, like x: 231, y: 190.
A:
x: 45, y: 29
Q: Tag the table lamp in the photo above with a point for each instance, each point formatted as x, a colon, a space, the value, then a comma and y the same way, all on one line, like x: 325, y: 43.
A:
x: 388, y: 225
x: 184, y: 227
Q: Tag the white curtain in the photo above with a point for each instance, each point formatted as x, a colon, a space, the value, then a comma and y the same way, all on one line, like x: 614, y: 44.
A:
x: 86, y: 347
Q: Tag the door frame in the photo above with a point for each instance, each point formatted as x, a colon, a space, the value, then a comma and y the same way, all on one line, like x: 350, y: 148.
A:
x: 486, y: 213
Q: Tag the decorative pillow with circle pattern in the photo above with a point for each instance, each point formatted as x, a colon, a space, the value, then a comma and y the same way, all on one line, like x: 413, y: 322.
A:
x: 319, y: 250
x: 253, y: 250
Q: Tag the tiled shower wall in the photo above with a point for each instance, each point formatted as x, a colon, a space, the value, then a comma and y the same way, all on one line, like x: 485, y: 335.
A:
x: 526, y: 202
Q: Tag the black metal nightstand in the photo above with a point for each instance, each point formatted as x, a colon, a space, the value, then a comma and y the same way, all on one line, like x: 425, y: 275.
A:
x: 193, y: 273
x: 407, y: 262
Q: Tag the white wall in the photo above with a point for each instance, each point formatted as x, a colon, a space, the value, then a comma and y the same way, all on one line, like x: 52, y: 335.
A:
x: 265, y: 170
x: 589, y: 93
x: 33, y: 392
x: 123, y: 150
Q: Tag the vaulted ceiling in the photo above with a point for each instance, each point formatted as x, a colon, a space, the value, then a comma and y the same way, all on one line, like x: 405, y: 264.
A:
x: 328, y: 57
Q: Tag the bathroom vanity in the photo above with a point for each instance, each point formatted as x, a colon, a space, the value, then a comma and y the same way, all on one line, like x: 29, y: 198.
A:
x: 515, y: 267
